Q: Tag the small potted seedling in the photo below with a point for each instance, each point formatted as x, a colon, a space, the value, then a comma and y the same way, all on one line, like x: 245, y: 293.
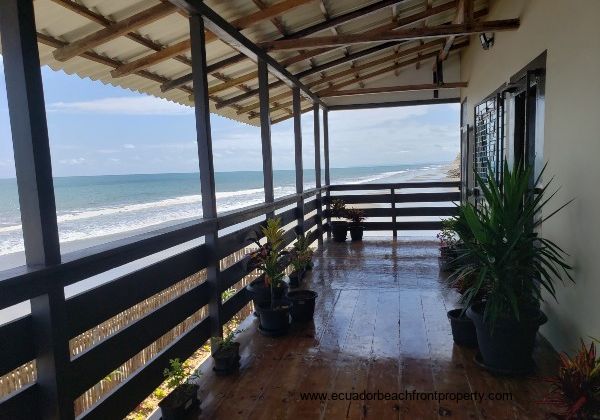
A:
x: 226, y: 353
x: 355, y: 217
x: 339, y: 227
x: 301, y: 256
x: 184, y: 397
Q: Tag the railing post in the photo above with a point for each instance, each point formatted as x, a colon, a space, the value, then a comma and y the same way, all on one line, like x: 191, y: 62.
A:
x: 33, y: 167
x: 317, y: 132
x: 297, y: 111
x: 207, y: 170
x: 395, y: 231
x: 265, y: 132
x: 327, y: 174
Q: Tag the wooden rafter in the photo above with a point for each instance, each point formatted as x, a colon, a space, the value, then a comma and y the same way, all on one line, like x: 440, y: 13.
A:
x: 391, y: 68
x: 394, y: 89
x: 354, y: 70
x: 182, y: 46
x: 464, y: 15
x: 104, y: 21
x: 399, y: 35
x: 397, y: 24
x: 335, y: 21
x: 114, y: 31
x: 322, y: 26
x: 363, y: 53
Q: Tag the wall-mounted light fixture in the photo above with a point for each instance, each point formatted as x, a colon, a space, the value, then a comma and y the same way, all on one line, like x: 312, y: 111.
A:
x: 487, y: 40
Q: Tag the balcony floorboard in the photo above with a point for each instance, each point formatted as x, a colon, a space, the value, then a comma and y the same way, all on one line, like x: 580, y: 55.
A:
x: 380, y: 324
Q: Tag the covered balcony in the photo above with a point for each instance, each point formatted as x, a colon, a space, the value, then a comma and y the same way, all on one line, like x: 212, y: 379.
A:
x: 380, y: 344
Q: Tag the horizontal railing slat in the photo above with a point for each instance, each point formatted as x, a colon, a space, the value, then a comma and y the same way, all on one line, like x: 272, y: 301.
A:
x: 96, y: 305
x: 23, y: 283
x: 104, y: 358
x: 234, y: 304
x: 399, y: 198
x: 433, y: 225
x: 397, y: 186
x: 21, y: 405
x: 123, y: 399
x: 409, y: 211
x: 16, y: 344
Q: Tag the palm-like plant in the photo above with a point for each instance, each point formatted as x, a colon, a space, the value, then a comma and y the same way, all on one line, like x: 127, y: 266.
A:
x: 501, y: 251
x: 271, y: 258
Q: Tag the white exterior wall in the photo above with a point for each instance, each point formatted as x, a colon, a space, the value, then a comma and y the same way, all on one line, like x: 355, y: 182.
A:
x: 570, y: 32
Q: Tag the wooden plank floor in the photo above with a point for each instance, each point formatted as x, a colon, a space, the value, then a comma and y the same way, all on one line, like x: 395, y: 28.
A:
x: 380, y: 325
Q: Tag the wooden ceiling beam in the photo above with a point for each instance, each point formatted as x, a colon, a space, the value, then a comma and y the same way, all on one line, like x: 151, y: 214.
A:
x: 394, y: 89
x: 398, y: 35
x: 114, y: 31
x: 339, y: 20
x: 182, y: 46
x: 349, y: 72
x: 464, y: 15
x: 385, y: 70
x: 397, y: 24
x: 360, y: 54
x: 106, y: 22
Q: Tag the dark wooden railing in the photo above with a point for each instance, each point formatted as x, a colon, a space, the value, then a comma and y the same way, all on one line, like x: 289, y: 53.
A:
x: 392, y: 202
x: 94, y: 306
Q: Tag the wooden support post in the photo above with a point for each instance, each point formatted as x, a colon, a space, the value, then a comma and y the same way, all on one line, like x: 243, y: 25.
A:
x: 317, y: 132
x: 265, y: 132
x: 395, y: 231
x: 297, y: 110
x: 36, y: 199
x: 207, y: 169
x: 327, y: 173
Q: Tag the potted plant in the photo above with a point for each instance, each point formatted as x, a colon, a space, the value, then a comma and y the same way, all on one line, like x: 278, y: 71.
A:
x: 355, y: 217
x: 448, y: 244
x: 226, y: 353
x: 303, y: 305
x: 270, y: 252
x: 513, y: 264
x: 301, y: 256
x: 463, y: 328
x: 339, y: 228
x: 575, y: 389
x: 271, y: 259
x: 184, y: 397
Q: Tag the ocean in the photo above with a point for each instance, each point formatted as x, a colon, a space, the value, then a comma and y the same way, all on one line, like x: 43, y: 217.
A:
x: 92, y: 207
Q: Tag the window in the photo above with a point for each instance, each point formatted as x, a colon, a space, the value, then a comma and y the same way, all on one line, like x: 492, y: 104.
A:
x: 488, y: 144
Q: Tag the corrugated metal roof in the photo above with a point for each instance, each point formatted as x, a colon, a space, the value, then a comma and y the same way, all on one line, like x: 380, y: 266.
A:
x: 59, y: 24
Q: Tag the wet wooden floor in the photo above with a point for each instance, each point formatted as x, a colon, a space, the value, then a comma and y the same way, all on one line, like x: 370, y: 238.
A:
x: 380, y: 325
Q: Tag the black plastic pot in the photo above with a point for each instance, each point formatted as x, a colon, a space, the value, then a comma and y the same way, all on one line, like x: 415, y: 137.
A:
x: 508, y: 348
x: 180, y: 402
x: 227, y: 361
x: 296, y: 277
x: 303, y: 305
x: 356, y: 232
x: 447, y: 256
x: 275, y: 321
x: 339, y: 230
x: 261, y: 293
x: 463, y: 328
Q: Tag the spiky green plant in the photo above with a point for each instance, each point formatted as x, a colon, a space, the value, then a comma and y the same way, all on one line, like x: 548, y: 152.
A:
x: 509, y: 260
